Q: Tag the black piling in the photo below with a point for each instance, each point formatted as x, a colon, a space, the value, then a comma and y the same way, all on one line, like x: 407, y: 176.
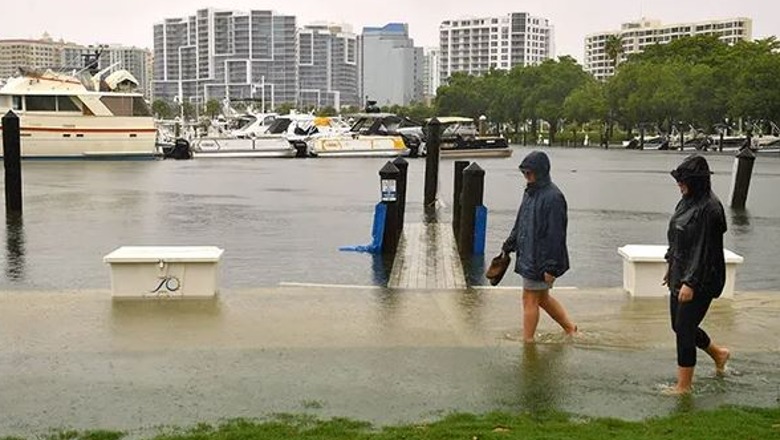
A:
x: 471, y: 197
x: 403, y: 168
x: 720, y: 144
x: 12, y: 160
x: 457, y: 186
x: 432, y: 165
x: 388, y: 182
x: 641, y: 137
x: 740, y: 180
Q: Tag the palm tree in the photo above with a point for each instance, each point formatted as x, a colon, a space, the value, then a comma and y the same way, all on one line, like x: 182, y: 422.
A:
x: 614, y: 49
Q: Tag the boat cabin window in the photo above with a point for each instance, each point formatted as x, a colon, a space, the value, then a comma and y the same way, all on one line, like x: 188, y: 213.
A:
x: 279, y: 126
x: 66, y: 104
x: 16, y: 102
x: 46, y: 103
x: 126, y: 105
x: 41, y: 103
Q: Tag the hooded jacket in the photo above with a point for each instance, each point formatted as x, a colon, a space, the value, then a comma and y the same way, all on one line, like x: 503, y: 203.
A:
x: 539, y: 233
x: 695, y: 233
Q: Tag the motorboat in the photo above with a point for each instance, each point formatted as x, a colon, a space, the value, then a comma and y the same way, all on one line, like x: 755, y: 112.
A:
x: 371, y: 134
x: 80, y: 116
x: 460, y: 137
x: 273, y: 141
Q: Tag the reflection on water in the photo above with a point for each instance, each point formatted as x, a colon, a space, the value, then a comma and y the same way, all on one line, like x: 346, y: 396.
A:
x: 14, y: 247
x: 740, y: 221
x: 474, y: 270
x: 381, y: 266
x: 541, y: 372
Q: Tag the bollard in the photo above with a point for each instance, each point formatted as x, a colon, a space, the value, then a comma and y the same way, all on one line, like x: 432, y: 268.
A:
x: 12, y: 160
x: 432, y: 165
x: 457, y: 190
x: 720, y: 144
x: 403, y: 167
x: 740, y: 179
x: 471, y: 198
x: 388, y: 183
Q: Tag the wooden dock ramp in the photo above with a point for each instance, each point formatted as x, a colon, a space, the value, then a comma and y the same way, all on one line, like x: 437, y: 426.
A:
x: 427, y: 258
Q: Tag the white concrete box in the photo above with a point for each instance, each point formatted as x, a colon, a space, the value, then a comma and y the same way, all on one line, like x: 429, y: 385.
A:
x: 164, y: 271
x: 644, y: 268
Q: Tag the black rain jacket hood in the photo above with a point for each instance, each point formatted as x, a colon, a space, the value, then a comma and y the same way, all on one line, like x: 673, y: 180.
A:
x: 695, y: 233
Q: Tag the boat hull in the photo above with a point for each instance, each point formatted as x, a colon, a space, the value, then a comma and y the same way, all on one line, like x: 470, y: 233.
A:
x: 267, y: 147
x: 81, y: 137
x: 358, y: 146
x: 476, y: 152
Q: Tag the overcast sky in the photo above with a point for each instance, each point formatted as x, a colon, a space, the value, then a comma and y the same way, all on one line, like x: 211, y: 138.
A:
x: 130, y: 22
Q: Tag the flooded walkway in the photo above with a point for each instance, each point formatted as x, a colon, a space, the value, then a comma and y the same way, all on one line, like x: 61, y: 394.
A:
x: 427, y: 258
x: 79, y: 360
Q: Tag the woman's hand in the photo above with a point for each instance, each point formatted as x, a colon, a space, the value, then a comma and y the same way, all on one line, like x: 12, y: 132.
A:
x: 686, y: 294
x: 549, y: 279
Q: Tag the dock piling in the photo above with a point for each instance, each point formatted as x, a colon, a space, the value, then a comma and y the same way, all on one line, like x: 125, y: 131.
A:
x: 471, y: 198
x: 740, y: 178
x: 12, y: 160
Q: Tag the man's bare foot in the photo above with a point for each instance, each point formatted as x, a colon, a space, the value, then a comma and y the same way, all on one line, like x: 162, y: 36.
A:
x: 721, y: 358
x: 573, y: 332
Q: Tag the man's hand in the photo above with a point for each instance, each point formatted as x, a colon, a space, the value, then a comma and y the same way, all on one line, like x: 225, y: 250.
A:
x: 686, y: 294
x: 549, y: 279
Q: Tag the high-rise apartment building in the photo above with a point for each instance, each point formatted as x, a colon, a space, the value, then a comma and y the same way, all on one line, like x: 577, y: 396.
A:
x: 216, y: 54
x: 476, y: 45
x: 635, y: 36
x: 112, y: 57
x: 44, y: 53
x: 431, y: 72
x: 329, y: 66
x: 61, y: 56
x: 392, y: 66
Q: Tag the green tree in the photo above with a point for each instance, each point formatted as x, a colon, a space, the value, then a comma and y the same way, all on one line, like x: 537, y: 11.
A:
x: 213, y: 108
x: 284, y: 108
x: 613, y: 47
x: 554, y: 81
x: 189, y: 110
x: 162, y: 109
x: 327, y: 111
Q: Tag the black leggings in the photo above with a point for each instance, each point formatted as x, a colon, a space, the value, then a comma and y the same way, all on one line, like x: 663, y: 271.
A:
x: 686, y: 318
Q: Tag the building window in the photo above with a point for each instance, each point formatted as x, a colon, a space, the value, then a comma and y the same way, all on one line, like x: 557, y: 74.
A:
x: 16, y: 102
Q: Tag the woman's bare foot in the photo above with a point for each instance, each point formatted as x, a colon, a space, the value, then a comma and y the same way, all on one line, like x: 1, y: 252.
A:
x: 721, y: 358
x: 674, y: 390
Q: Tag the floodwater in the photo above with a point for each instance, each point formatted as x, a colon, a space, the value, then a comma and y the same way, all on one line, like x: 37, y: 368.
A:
x: 387, y: 356
x: 284, y: 220
x: 71, y: 357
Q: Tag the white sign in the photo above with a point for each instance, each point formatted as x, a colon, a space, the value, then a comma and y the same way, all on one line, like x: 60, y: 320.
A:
x: 389, y: 193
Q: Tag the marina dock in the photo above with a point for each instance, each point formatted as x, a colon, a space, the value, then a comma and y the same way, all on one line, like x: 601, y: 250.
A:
x: 427, y: 258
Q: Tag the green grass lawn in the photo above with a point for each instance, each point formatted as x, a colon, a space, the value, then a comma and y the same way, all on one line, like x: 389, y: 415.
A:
x: 725, y: 423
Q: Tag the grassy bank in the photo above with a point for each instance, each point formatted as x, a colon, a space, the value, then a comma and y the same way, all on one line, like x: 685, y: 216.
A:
x: 724, y: 423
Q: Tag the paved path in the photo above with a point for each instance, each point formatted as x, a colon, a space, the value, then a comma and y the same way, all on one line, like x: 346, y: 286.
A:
x: 427, y: 258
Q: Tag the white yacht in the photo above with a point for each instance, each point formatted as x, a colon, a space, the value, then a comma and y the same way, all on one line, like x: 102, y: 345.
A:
x: 279, y: 139
x: 80, y: 117
x: 371, y: 135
